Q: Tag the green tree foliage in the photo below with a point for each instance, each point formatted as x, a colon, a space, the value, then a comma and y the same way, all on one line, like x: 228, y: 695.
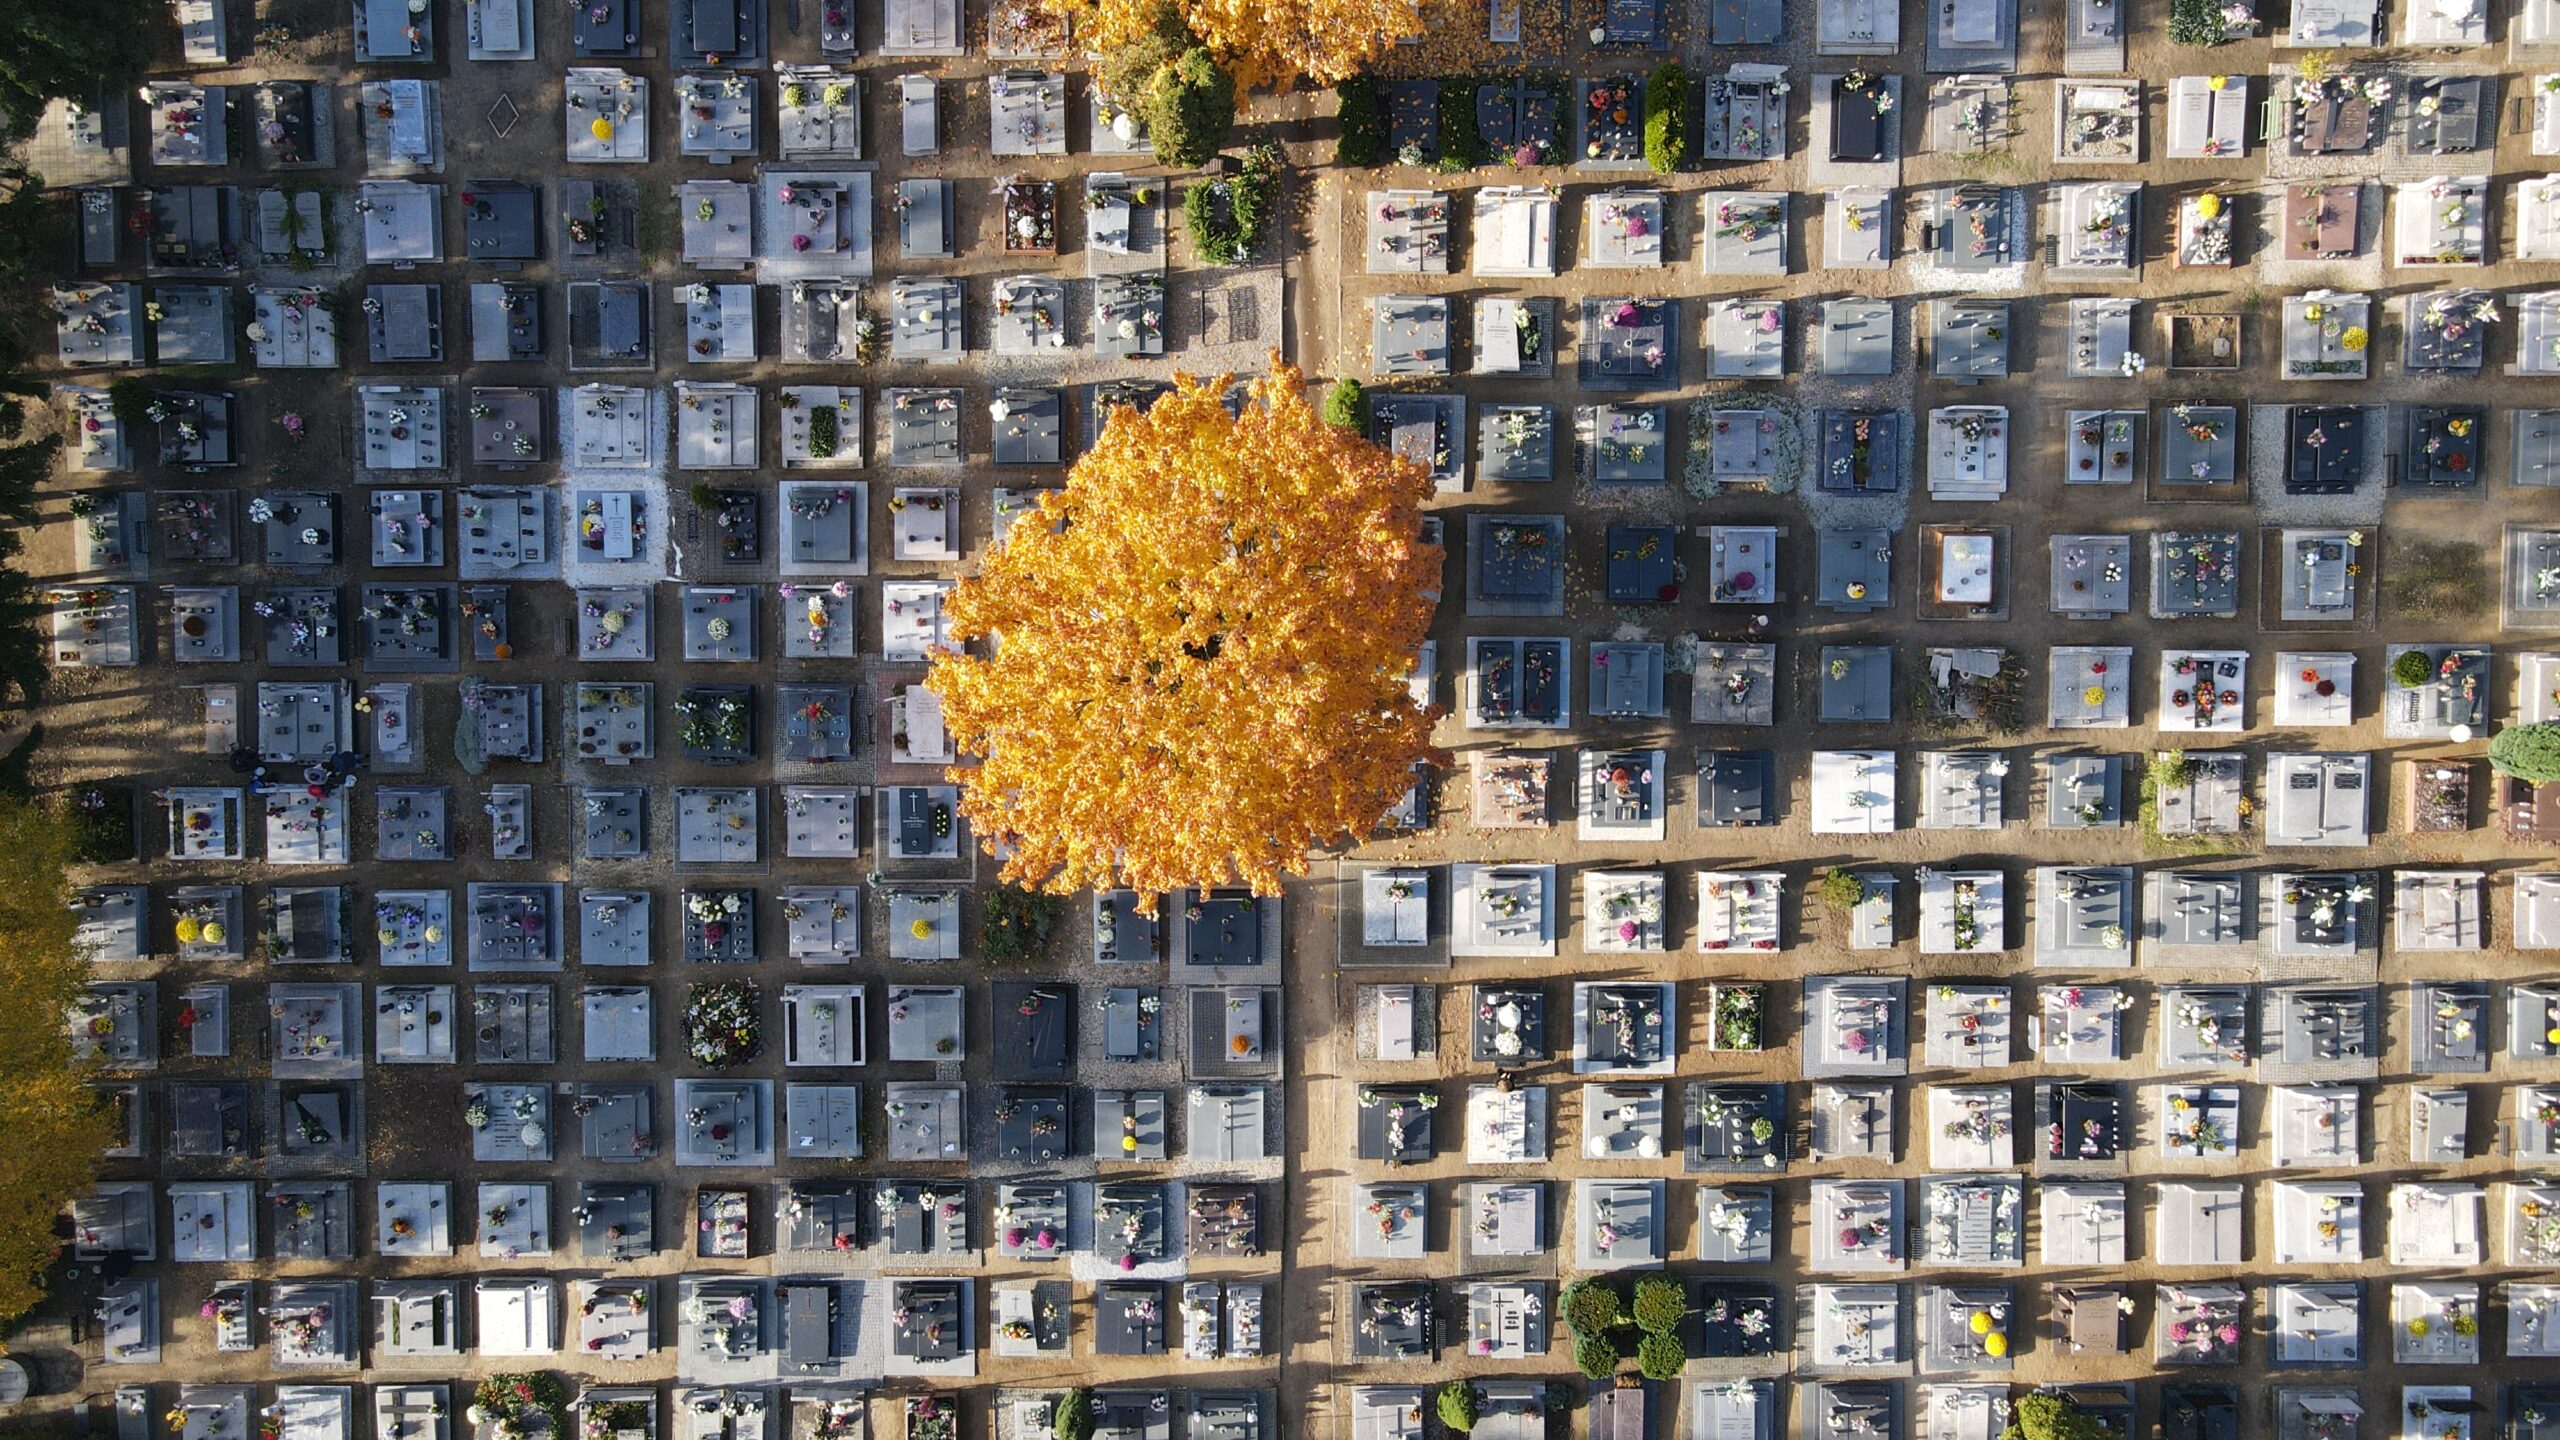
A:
x: 1128, y: 72
x: 1190, y: 106
x: 1360, y: 112
x: 1841, y: 889
x: 1462, y: 145
x: 1666, y: 119
x: 24, y: 649
x: 1225, y: 217
x: 2528, y: 752
x: 69, y: 50
x: 1596, y: 1356
x: 1590, y: 1306
x: 1169, y: 79
x: 1661, y: 1357
x: 54, y: 1122
x: 33, y: 232
x: 2039, y: 1416
x: 1073, y: 1417
x: 2198, y: 22
x: 1659, y: 1305
x: 23, y: 467
x: 1346, y: 406
x: 1017, y: 924
x: 1458, y: 1407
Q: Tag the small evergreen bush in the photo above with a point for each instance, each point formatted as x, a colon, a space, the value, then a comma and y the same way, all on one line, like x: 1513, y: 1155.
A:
x: 1666, y: 119
x: 1361, y: 114
x: 1346, y: 406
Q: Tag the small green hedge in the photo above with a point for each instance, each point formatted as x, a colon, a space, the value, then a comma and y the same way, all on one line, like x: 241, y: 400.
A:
x: 2412, y: 669
x: 2528, y: 752
x: 128, y: 398
x: 1660, y: 1303
x: 2197, y: 22
x: 1346, y: 406
x: 1461, y: 143
x: 1018, y: 924
x: 1661, y: 1357
x: 1590, y: 1306
x: 1596, y: 1356
x: 1362, y: 114
x: 1666, y: 119
x: 1190, y: 109
x: 1226, y: 217
x: 1841, y: 889
x: 1458, y: 1406
x: 1072, y: 1417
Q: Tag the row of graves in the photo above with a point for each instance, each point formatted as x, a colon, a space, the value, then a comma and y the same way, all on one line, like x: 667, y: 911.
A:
x: 2185, y: 449
x: 1862, y: 1228
x: 915, y: 914
x: 807, y: 216
x: 1843, y: 1406
x: 821, y: 1404
x: 631, y: 324
x: 608, y: 523
x: 1132, y: 1242
x: 1520, y: 683
x: 846, y: 1308
x: 2067, y: 916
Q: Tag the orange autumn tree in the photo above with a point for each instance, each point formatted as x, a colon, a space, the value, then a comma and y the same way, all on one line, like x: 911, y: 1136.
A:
x: 1201, y: 643
x: 1268, y: 44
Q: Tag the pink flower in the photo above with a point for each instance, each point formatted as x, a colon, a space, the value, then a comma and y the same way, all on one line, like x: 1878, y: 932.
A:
x: 2228, y: 1334
x: 799, y: 242
x: 1128, y: 1262
x: 2179, y: 1331
x: 1627, y: 932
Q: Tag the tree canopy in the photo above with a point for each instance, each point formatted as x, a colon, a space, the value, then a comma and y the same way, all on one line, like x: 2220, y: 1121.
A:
x: 68, y: 50
x: 1166, y: 77
x: 54, y: 1123
x: 1072, y: 1417
x: 2041, y: 1416
x: 1263, y: 43
x: 1204, y: 639
x: 1190, y: 108
x: 2528, y: 752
